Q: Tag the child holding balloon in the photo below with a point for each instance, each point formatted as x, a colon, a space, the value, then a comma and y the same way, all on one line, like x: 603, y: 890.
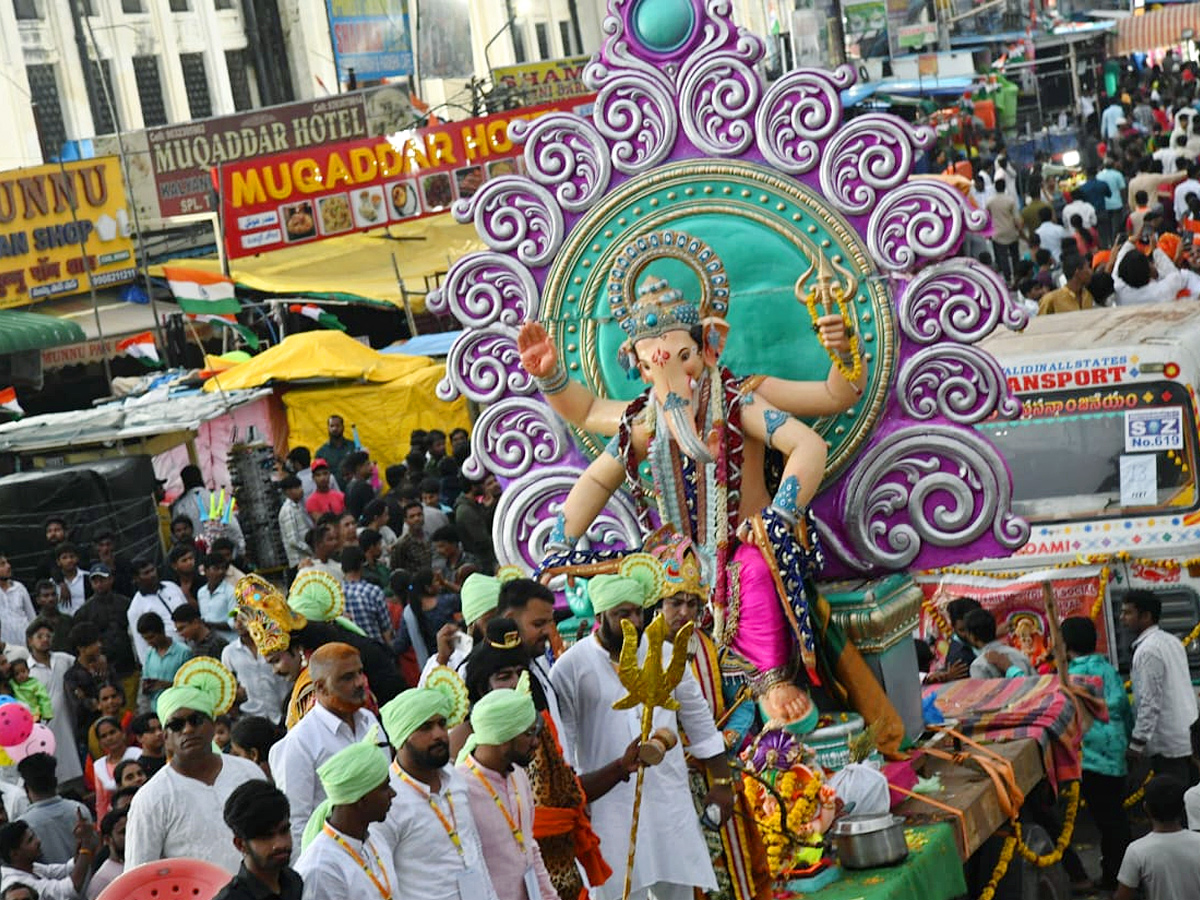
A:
x: 30, y: 691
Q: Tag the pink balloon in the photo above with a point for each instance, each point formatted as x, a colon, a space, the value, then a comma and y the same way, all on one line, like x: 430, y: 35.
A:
x: 41, y: 740
x: 16, y: 724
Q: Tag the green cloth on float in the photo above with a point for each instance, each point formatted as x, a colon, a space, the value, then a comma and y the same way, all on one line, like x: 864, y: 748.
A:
x: 610, y: 591
x: 498, y: 717
x: 347, y: 776
x: 480, y: 594
x: 409, y: 710
x: 184, y: 697
x: 932, y: 871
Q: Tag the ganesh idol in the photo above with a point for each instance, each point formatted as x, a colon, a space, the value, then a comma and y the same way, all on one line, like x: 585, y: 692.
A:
x: 705, y: 433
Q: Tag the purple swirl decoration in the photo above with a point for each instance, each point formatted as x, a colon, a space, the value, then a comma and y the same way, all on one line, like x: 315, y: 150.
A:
x: 719, y: 89
x: 921, y: 220
x: 566, y: 153
x: 962, y: 300
x: 482, y: 288
x: 514, y: 435
x: 871, y: 154
x: 514, y: 213
x: 960, y: 383
x: 484, y: 365
x: 799, y: 110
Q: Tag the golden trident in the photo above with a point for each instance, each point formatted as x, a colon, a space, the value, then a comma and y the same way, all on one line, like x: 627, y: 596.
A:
x: 833, y: 297
x: 650, y: 686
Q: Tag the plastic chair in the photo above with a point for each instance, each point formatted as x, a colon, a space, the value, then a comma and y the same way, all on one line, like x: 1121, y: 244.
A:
x: 168, y: 879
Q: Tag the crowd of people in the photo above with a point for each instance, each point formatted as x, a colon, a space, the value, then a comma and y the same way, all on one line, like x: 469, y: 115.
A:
x: 1120, y: 229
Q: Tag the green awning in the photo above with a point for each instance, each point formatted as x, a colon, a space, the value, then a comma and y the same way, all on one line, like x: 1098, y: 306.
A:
x: 21, y: 331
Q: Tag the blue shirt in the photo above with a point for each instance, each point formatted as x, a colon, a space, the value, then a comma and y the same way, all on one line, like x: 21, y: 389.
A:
x: 1094, y: 191
x: 215, y: 606
x: 1116, y: 188
x: 164, y: 667
x: 1104, y: 744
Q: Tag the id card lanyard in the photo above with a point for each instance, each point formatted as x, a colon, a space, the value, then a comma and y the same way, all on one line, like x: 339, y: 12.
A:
x: 450, y: 825
x: 384, y: 889
x: 514, y: 827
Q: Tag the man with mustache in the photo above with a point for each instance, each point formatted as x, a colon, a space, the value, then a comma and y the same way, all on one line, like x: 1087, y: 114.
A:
x: 257, y: 814
x: 337, y: 720
x: 437, y: 853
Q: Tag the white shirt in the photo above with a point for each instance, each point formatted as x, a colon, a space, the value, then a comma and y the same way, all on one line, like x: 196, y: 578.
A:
x: 1191, y: 804
x: 51, y: 677
x: 1167, y: 157
x: 16, y: 612
x: 671, y: 847
x: 1051, y: 235
x: 1080, y: 208
x: 77, y: 587
x: 427, y: 864
x: 1188, y: 186
x: 265, y: 691
x: 163, y: 602
x: 311, y: 741
x: 172, y: 815
x: 329, y: 871
x: 1163, y: 289
x: 1163, y: 865
x: 1164, y: 703
x: 52, y: 882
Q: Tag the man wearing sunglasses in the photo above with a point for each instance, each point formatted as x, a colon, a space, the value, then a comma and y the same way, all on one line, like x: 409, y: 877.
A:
x: 179, y: 812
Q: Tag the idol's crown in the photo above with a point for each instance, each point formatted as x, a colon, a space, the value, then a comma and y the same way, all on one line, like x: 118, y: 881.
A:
x: 659, y: 309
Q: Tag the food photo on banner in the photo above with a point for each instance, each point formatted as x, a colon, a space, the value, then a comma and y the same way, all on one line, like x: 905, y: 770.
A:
x: 289, y: 199
x: 50, y: 216
x: 1018, y: 605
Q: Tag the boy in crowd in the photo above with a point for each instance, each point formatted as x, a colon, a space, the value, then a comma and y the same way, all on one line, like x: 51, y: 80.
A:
x: 993, y: 657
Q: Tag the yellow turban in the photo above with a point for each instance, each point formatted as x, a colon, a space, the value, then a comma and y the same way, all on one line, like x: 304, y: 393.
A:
x: 480, y: 594
x: 347, y: 776
x: 409, y: 710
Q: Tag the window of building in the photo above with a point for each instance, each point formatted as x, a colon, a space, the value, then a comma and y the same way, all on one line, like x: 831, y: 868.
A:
x: 150, y: 93
x: 567, y: 36
x: 103, y: 113
x: 195, y: 80
x: 27, y: 9
x: 181, y: 5
x: 47, y: 108
x: 237, y: 62
x: 226, y: 4
x: 520, y: 54
x: 88, y: 7
x: 133, y: 6
x: 543, y: 40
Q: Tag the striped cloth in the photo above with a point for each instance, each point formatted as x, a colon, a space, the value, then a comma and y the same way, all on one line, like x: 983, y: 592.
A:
x: 1009, y: 709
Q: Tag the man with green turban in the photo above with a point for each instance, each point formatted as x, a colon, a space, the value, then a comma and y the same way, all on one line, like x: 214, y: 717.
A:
x: 179, y: 812
x: 480, y: 597
x: 503, y: 741
x: 339, y: 858
x: 437, y: 853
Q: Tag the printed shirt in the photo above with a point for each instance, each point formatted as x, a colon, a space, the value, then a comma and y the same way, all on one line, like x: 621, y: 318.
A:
x: 1104, y: 744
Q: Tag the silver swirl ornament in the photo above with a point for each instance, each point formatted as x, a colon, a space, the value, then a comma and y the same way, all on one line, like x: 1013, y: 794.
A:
x: 719, y: 88
x: 921, y: 220
x: 526, y: 511
x: 935, y: 485
x: 961, y: 383
x: 635, y: 108
x: 799, y: 111
x: 568, y: 155
x: 512, y: 213
x: 484, y: 364
x: 482, y: 288
x: 869, y: 155
x: 961, y: 300
x: 512, y: 436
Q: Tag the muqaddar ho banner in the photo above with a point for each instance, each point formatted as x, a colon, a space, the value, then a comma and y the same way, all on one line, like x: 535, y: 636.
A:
x: 293, y: 198
x: 1019, y: 605
x: 57, y: 223
x: 545, y: 81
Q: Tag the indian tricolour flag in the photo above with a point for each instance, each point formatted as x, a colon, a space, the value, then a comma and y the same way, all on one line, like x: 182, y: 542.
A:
x: 9, y: 404
x: 142, y: 346
x: 318, y: 315
x: 208, y: 297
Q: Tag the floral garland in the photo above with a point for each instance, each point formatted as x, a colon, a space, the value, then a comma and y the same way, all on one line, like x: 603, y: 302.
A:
x: 998, y: 873
x: 1015, y: 844
x: 1136, y: 797
x: 852, y: 372
x: 935, y: 615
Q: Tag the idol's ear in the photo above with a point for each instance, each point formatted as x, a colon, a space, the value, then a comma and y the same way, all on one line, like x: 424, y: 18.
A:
x: 714, y: 332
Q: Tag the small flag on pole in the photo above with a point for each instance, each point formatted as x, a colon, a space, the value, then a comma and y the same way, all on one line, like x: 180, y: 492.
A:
x: 141, y: 346
x: 318, y: 315
x: 208, y: 297
x: 9, y: 404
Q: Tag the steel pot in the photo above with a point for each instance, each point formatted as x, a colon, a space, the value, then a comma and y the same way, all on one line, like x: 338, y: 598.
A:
x: 871, y: 841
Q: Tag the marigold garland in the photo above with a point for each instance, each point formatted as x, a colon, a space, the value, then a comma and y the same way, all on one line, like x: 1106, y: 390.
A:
x: 854, y: 372
x: 1136, y: 797
x: 998, y: 873
x: 1064, y: 838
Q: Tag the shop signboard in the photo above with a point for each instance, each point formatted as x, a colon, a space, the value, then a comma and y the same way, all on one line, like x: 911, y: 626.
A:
x: 913, y: 37
x: 544, y: 82
x: 294, y: 198
x: 370, y: 37
x: 50, y: 217
x: 170, y: 166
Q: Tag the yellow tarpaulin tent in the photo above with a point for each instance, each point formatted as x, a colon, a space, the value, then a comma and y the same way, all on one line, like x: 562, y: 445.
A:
x: 384, y: 414
x: 317, y: 354
x: 356, y: 265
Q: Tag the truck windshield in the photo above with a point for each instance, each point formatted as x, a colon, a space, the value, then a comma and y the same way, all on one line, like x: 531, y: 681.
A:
x: 1065, y: 452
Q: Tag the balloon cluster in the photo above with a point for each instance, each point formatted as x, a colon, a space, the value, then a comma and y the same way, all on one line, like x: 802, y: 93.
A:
x: 20, y: 736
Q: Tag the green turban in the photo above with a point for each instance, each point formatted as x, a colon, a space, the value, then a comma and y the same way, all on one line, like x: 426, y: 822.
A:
x: 318, y: 597
x: 347, y: 776
x: 498, y: 717
x: 610, y: 591
x: 409, y: 710
x: 480, y: 594
x: 184, y: 697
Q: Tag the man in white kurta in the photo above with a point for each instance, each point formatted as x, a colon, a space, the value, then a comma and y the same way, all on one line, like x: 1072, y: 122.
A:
x: 672, y: 856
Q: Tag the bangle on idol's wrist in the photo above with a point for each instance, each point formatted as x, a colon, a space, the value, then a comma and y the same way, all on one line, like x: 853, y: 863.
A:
x: 555, y: 383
